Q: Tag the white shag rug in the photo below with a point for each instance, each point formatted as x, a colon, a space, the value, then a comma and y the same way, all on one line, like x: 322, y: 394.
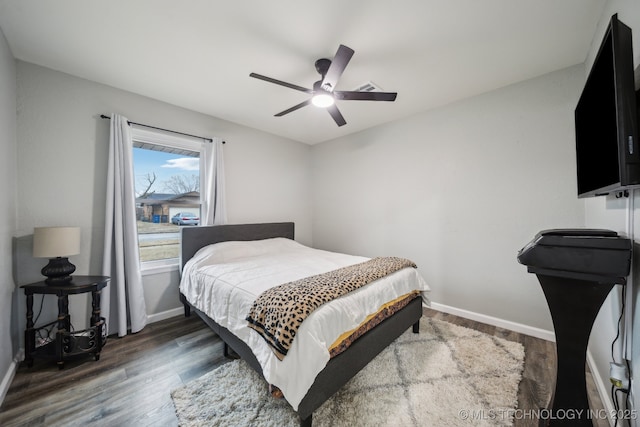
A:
x: 446, y: 375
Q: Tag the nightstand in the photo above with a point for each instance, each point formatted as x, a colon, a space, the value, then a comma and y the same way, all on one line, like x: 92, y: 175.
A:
x: 67, y: 344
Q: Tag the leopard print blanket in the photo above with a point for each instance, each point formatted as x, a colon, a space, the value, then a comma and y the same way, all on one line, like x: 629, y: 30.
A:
x: 278, y: 312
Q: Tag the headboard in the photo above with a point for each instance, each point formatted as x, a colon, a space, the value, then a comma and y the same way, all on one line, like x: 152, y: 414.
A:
x: 194, y: 238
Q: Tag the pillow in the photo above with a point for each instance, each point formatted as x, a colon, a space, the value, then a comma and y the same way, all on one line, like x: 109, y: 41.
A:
x: 219, y: 253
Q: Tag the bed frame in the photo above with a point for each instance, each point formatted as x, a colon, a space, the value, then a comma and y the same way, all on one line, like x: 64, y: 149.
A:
x: 341, y: 368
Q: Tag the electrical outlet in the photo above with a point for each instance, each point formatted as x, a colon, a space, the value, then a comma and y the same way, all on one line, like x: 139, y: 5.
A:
x: 619, y: 375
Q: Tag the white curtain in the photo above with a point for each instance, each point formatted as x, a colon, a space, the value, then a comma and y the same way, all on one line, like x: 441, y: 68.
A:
x: 123, y: 300
x: 213, y: 194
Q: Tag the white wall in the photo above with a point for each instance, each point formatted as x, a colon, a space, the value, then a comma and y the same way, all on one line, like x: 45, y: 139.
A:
x: 607, y: 212
x: 9, y: 335
x: 62, y: 155
x: 459, y: 190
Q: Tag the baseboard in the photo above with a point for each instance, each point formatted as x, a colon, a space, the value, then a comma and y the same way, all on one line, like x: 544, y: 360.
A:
x: 501, y: 323
x: 11, y: 372
x: 603, y: 386
x: 152, y: 318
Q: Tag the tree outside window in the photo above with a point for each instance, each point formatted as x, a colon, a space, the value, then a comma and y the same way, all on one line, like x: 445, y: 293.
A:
x: 167, y: 186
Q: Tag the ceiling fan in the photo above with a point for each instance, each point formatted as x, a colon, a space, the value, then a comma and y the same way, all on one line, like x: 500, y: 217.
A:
x: 323, y: 93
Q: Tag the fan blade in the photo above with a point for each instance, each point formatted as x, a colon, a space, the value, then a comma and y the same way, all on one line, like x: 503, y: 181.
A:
x: 338, y: 64
x: 365, y: 96
x: 294, y: 108
x: 280, y: 82
x: 337, y: 116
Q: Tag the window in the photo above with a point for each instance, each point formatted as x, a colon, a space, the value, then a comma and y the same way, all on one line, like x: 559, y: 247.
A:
x: 167, y: 188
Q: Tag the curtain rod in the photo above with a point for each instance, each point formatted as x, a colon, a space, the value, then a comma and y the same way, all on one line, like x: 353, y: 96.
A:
x: 166, y: 130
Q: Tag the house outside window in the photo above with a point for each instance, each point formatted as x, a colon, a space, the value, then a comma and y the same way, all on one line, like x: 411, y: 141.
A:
x: 167, y: 186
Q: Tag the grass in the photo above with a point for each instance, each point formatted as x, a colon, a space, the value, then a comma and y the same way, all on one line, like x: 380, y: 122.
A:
x: 152, y: 227
x: 152, y: 253
x: 158, y: 249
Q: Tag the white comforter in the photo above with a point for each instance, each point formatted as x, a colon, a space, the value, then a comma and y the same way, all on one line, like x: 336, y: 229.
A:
x: 223, y: 280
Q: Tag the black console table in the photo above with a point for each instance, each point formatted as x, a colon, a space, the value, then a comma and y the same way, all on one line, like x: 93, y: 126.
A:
x: 576, y: 269
x: 67, y: 343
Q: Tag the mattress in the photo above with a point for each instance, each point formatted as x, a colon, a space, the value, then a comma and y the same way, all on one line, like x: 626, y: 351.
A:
x: 223, y: 280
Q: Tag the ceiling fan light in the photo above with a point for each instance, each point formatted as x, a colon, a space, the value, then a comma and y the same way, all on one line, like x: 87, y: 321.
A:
x: 322, y: 100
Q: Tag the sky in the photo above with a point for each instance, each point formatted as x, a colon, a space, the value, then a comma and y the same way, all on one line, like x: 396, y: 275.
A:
x: 164, y: 165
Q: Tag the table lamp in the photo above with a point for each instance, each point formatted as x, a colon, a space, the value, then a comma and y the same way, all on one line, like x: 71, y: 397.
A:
x: 56, y: 243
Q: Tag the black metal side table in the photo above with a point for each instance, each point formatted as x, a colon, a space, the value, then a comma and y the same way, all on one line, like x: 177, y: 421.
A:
x: 67, y: 343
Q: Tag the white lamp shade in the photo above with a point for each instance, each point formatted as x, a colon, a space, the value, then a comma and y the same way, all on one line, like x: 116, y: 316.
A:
x: 52, y: 242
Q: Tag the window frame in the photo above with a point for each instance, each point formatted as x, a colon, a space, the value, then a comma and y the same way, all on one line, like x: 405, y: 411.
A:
x: 175, y: 141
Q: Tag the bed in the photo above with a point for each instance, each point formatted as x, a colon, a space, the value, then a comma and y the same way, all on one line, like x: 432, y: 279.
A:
x: 335, y: 371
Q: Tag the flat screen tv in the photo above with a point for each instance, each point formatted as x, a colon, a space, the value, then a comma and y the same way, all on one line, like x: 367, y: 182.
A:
x: 606, y: 119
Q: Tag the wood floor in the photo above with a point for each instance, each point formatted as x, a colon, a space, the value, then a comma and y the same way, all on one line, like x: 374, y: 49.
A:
x: 130, y: 384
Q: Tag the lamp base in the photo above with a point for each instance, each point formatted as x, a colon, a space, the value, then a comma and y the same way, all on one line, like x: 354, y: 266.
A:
x: 58, y: 271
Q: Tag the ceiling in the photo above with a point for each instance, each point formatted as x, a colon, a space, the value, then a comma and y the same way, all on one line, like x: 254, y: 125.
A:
x: 198, y: 54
